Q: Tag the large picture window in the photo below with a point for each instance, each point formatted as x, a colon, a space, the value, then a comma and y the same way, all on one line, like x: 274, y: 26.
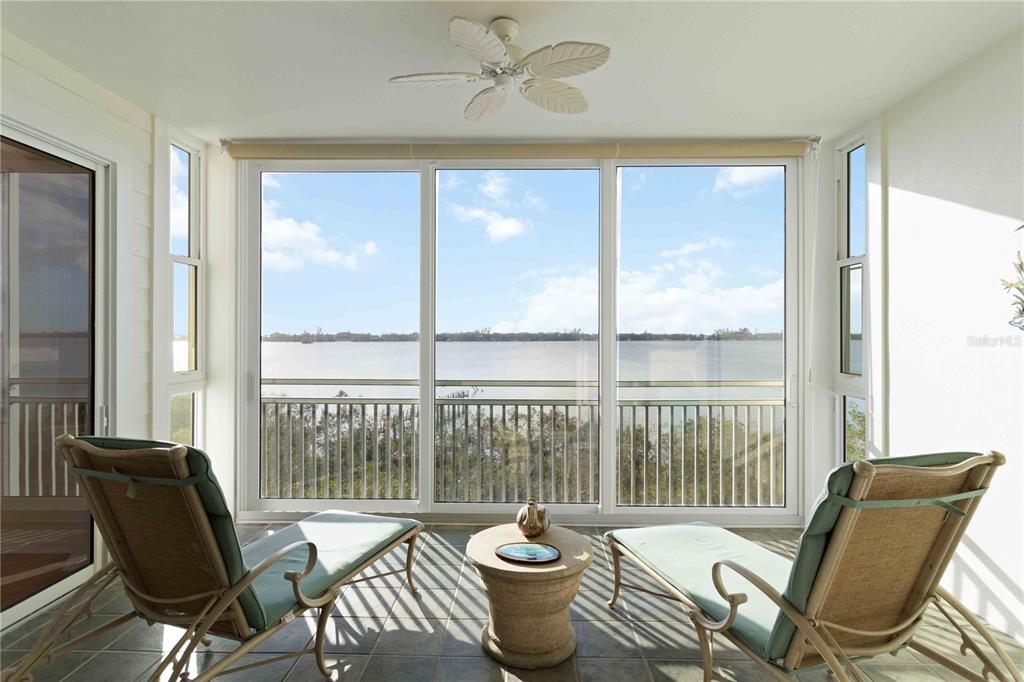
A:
x: 452, y: 336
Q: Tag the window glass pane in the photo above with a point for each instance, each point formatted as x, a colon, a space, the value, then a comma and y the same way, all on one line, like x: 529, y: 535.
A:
x: 183, y: 418
x: 46, y: 366
x: 340, y: 334
x: 854, y: 428
x: 701, y: 314
x: 517, y: 323
x: 180, y: 212
x: 852, y: 314
x: 856, y: 201
x: 184, y: 322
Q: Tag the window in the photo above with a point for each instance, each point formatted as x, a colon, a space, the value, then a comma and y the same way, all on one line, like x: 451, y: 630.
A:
x: 455, y: 336
x: 181, y: 379
x: 850, y: 270
x: 701, y: 340
x: 183, y: 418
x: 516, y: 353
x: 339, y: 330
x: 854, y: 428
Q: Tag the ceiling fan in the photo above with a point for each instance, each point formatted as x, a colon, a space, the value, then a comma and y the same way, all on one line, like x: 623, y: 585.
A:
x: 534, y: 75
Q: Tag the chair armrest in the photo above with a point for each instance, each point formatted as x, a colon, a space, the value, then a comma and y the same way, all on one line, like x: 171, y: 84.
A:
x: 295, y: 577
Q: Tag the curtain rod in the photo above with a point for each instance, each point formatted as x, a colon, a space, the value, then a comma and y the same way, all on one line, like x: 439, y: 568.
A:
x: 528, y: 150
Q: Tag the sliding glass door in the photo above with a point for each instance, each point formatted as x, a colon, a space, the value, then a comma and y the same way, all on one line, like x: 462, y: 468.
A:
x: 702, y: 336
x: 456, y: 337
x: 516, y: 351
x: 47, y: 366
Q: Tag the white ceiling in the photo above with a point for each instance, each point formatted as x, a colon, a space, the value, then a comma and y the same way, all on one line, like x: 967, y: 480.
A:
x: 677, y: 69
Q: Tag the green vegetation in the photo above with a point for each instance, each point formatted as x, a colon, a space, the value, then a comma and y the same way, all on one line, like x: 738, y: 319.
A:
x: 181, y: 419
x: 320, y: 336
x: 855, y: 438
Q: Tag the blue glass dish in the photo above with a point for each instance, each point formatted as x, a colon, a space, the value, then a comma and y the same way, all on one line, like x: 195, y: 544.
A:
x: 528, y: 553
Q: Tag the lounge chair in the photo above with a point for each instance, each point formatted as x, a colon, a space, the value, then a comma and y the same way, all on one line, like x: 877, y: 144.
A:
x: 173, y: 546
x: 867, y: 568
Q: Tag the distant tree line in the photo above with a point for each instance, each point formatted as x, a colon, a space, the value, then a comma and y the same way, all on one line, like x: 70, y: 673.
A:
x: 320, y: 336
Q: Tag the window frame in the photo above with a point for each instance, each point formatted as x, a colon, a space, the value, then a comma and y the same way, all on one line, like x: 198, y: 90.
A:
x: 850, y: 385
x: 167, y: 382
x: 249, y: 192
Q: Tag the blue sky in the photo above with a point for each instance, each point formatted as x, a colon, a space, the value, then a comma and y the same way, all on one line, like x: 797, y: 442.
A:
x: 701, y: 248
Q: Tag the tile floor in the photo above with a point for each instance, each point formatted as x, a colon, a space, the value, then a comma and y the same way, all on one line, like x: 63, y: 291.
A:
x: 383, y: 633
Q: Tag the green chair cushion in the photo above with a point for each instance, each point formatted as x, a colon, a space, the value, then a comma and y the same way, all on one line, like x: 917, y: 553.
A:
x: 214, y: 505
x: 816, y: 536
x: 683, y: 555
x: 344, y: 540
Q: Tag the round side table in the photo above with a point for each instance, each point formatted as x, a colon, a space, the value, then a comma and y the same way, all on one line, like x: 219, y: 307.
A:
x: 529, y: 604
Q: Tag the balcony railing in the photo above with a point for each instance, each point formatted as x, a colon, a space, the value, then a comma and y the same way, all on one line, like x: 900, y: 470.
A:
x: 671, y: 452
x: 32, y: 467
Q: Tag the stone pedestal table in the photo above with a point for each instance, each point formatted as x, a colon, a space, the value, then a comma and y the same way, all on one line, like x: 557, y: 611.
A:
x: 529, y: 604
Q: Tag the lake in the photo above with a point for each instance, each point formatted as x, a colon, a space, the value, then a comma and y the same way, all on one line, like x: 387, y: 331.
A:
x: 527, y: 360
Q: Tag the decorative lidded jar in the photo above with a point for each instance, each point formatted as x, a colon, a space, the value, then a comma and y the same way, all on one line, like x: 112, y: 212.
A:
x: 533, y: 519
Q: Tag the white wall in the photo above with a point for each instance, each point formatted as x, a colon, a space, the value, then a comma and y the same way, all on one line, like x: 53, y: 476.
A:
x: 956, y: 195
x: 946, y: 372
x: 39, y: 92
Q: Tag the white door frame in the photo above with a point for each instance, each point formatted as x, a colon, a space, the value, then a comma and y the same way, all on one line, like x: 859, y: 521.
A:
x: 105, y: 308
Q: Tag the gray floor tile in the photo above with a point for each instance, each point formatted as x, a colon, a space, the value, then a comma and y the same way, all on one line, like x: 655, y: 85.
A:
x: 407, y: 636
x: 114, y: 666
x: 424, y: 603
x: 469, y: 579
x: 605, y: 639
x: 462, y: 638
x: 404, y: 668
x: 436, y: 576
x: 352, y: 635
x: 668, y: 640
x: 593, y: 605
x: 612, y: 670
x: 292, y: 637
x: 271, y: 672
x: 644, y: 606
x: 899, y: 673
x: 367, y: 603
x: 441, y: 554
x: 57, y: 669
x: 693, y: 671
x: 563, y: 672
x: 161, y: 638
x: 456, y: 669
x: 470, y: 604
x: 344, y: 668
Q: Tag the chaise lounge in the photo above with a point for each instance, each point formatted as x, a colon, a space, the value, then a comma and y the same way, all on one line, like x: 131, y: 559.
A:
x: 867, y: 568
x: 173, y: 546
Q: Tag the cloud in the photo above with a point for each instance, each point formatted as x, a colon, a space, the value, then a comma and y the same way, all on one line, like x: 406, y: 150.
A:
x: 690, y: 248
x: 179, y: 197
x: 531, y: 200
x: 498, y: 226
x: 742, y: 181
x: 496, y: 186
x: 450, y: 180
x: 269, y: 181
x: 288, y: 244
x: 638, y: 181
x: 663, y: 298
